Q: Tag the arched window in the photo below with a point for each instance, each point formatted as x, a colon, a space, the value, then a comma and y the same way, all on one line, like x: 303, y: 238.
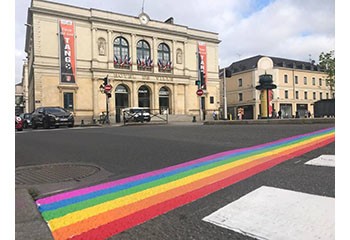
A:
x: 121, y: 53
x: 163, y: 52
x: 143, y: 50
x: 144, y: 61
x: 164, y: 63
x: 144, y: 96
x: 164, y: 100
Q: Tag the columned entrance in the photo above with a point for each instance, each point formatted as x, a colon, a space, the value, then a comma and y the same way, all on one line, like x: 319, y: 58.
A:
x: 121, y: 100
x: 164, y: 100
x: 144, y: 94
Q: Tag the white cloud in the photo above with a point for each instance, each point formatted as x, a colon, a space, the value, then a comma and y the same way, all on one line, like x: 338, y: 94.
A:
x: 281, y: 28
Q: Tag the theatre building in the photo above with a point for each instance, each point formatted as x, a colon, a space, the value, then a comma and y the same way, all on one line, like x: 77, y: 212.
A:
x: 149, y: 63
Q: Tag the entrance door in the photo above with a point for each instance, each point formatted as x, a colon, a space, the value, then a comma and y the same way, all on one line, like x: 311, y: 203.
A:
x: 164, y: 101
x: 286, y: 110
x: 302, y: 110
x: 144, y: 96
x: 121, y: 101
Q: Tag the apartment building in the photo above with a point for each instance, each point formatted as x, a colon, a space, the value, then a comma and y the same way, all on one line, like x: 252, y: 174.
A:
x: 299, y: 85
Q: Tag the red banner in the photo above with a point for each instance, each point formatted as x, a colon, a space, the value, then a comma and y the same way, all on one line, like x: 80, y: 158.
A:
x: 67, y: 51
x: 202, y: 53
x: 270, y: 96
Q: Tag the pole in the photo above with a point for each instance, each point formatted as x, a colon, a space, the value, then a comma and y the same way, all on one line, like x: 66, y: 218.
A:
x: 107, y: 117
x: 199, y: 85
x: 143, y: 5
x: 225, y: 97
x: 268, y: 103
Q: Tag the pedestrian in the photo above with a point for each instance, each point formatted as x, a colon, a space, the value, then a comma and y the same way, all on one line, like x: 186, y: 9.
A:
x: 273, y: 113
x: 279, y: 114
x: 214, y: 115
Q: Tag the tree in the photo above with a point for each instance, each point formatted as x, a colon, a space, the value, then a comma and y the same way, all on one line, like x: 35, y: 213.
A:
x: 327, y: 63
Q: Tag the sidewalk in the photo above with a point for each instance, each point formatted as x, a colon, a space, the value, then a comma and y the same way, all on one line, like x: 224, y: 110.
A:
x: 29, y: 223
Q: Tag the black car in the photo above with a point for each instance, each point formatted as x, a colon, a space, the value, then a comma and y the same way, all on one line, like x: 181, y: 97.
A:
x: 52, y: 116
x: 27, y: 119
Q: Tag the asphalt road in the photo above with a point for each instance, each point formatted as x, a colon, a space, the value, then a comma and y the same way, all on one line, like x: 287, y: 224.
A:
x: 127, y: 151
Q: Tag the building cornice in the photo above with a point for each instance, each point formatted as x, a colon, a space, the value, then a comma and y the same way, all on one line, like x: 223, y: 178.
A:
x: 90, y: 18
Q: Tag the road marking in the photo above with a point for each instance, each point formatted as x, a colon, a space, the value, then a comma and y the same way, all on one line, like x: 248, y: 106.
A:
x: 103, y: 210
x: 323, y: 160
x: 272, y: 213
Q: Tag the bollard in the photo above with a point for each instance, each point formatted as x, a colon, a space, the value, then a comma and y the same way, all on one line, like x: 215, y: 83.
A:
x: 194, y: 119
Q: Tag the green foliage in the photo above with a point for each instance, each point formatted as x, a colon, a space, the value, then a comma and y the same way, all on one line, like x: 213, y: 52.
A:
x: 327, y: 63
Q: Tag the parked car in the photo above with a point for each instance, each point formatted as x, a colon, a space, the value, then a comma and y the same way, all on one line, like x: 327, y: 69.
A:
x: 136, y: 114
x: 27, y: 119
x: 18, y: 123
x: 52, y: 116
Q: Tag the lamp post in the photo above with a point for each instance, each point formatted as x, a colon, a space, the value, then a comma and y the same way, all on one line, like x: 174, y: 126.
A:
x: 106, y: 89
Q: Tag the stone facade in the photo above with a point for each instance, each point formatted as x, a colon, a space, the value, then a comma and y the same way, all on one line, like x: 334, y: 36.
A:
x: 97, y: 33
x: 299, y: 85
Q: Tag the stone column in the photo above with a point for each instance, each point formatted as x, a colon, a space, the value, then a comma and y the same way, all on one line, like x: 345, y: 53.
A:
x: 174, y: 98
x: 156, y: 96
x: 133, y: 52
x: 155, y: 54
x: 95, y: 95
x: 93, y: 44
x: 134, y: 95
x: 186, y: 99
x: 110, y: 54
x: 173, y: 57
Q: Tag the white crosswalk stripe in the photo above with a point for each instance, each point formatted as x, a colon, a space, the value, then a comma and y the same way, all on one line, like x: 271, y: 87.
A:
x: 273, y: 213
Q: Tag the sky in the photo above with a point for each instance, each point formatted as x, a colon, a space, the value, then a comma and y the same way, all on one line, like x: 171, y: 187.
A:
x: 293, y: 29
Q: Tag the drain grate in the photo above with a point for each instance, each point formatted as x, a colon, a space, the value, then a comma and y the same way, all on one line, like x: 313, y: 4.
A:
x: 54, y: 173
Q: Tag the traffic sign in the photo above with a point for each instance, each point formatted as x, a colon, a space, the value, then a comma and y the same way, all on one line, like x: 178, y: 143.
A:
x: 199, y: 92
x: 108, y: 87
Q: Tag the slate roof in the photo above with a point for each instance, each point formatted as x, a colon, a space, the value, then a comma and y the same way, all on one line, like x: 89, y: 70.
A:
x: 251, y: 63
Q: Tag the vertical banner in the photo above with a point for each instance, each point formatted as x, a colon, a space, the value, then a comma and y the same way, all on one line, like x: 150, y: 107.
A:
x: 67, y: 51
x: 270, y: 92
x: 202, y: 56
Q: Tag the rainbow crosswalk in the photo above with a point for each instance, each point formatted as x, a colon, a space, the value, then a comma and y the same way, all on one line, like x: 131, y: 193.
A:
x: 103, y: 210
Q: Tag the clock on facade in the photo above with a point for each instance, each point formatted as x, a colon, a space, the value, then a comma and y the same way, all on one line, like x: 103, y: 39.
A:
x: 144, y: 18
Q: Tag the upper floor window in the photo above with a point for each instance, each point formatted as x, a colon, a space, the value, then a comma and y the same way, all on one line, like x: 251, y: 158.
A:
x: 240, y: 82
x: 144, y: 61
x: 296, y: 79
x: 285, y: 78
x: 121, y: 53
x: 305, y: 95
x: 240, y: 97
x: 305, y: 80
x: 296, y: 94
x: 164, y: 63
x: 143, y: 50
x: 211, y: 99
x: 313, y: 81
x: 286, y: 94
x: 320, y: 81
